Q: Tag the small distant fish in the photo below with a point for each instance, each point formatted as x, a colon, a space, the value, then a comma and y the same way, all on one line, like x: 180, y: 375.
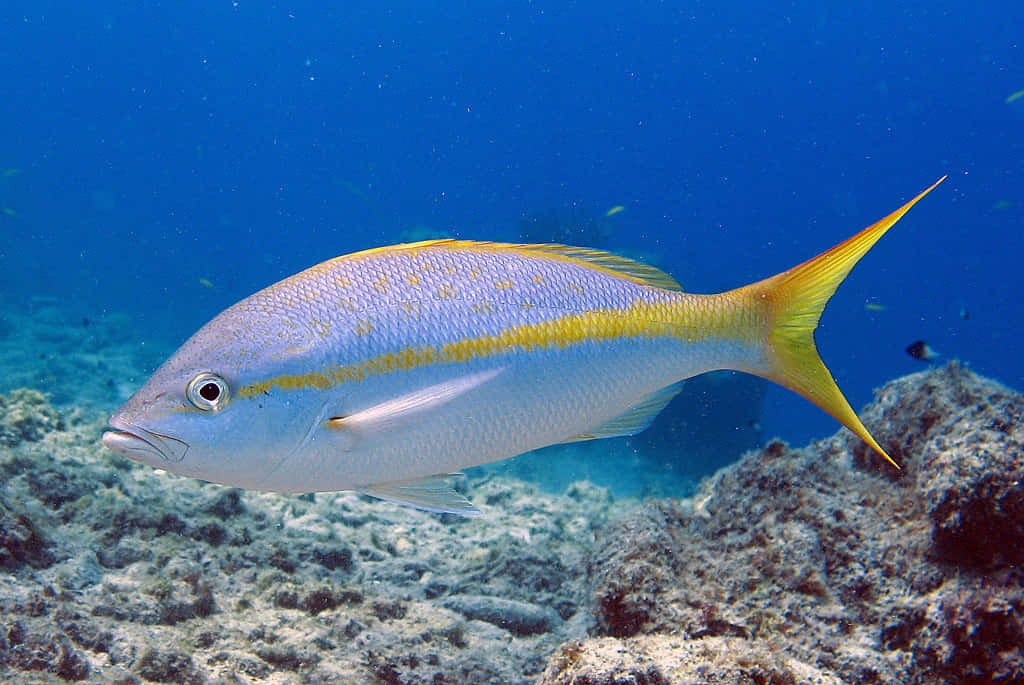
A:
x: 923, y: 351
x: 875, y: 307
x: 1015, y: 96
x: 614, y: 210
x: 387, y: 370
x: 10, y: 212
x: 206, y: 282
x: 1000, y: 205
x: 11, y: 172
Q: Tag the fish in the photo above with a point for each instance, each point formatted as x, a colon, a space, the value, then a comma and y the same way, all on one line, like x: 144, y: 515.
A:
x: 922, y: 350
x: 615, y: 210
x: 387, y: 371
x: 1013, y: 97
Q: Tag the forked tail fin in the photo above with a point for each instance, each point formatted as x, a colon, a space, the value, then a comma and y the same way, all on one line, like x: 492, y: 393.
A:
x: 794, y: 301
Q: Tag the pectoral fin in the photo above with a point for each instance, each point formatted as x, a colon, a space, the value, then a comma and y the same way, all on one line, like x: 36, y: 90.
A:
x: 434, y: 493
x: 392, y: 413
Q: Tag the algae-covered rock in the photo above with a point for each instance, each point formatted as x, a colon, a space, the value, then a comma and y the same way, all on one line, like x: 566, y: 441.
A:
x: 36, y: 653
x: 21, y: 542
x: 25, y: 415
x: 633, y: 572
x: 826, y: 556
x: 671, y: 660
x: 963, y: 454
x: 151, y: 577
x: 814, y: 565
x: 160, y: 665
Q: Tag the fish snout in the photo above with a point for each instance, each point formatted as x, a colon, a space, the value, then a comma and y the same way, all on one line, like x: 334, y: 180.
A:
x: 142, y: 445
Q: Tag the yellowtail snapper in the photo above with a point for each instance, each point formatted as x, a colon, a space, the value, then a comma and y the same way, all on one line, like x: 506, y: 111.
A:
x: 387, y: 370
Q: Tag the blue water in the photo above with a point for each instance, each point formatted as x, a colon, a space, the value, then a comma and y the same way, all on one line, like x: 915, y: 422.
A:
x: 151, y: 150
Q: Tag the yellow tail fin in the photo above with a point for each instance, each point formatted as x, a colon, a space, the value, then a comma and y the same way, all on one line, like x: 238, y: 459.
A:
x: 795, y: 300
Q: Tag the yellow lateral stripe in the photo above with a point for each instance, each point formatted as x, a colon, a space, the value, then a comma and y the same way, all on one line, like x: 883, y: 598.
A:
x: 640, y: 320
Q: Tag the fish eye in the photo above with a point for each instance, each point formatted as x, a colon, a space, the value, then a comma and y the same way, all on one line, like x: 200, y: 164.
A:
x: 207, y: 391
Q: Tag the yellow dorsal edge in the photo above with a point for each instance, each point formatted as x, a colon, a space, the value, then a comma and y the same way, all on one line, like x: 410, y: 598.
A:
x: 614, y: 264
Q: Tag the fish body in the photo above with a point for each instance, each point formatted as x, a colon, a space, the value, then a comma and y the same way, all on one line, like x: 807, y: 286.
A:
x: 922, y: 350
x: 379, y: 370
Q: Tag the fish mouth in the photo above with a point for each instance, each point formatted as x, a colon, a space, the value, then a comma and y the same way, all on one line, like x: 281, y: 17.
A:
x: 142, y: 445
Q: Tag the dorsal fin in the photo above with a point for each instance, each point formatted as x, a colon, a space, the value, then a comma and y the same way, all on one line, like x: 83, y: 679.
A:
x: 637, y: 271
x: 600, y: 259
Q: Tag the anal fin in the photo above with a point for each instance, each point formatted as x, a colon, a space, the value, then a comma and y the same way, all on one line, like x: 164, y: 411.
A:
x: 635, y: 419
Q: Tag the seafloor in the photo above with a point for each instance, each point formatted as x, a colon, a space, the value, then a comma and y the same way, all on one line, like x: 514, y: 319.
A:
x: 813, y: 565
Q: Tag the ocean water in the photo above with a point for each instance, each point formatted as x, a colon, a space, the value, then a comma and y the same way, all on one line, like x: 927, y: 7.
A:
x: 161, y: 160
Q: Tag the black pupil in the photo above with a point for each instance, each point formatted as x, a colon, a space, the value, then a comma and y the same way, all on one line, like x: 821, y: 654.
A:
x: 209, y: 392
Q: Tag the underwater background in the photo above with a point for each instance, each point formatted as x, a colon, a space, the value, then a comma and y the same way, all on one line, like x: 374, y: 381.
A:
x: 162, y: 160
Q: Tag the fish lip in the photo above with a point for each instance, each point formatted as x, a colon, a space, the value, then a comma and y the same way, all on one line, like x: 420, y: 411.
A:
x: 142, y: 445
